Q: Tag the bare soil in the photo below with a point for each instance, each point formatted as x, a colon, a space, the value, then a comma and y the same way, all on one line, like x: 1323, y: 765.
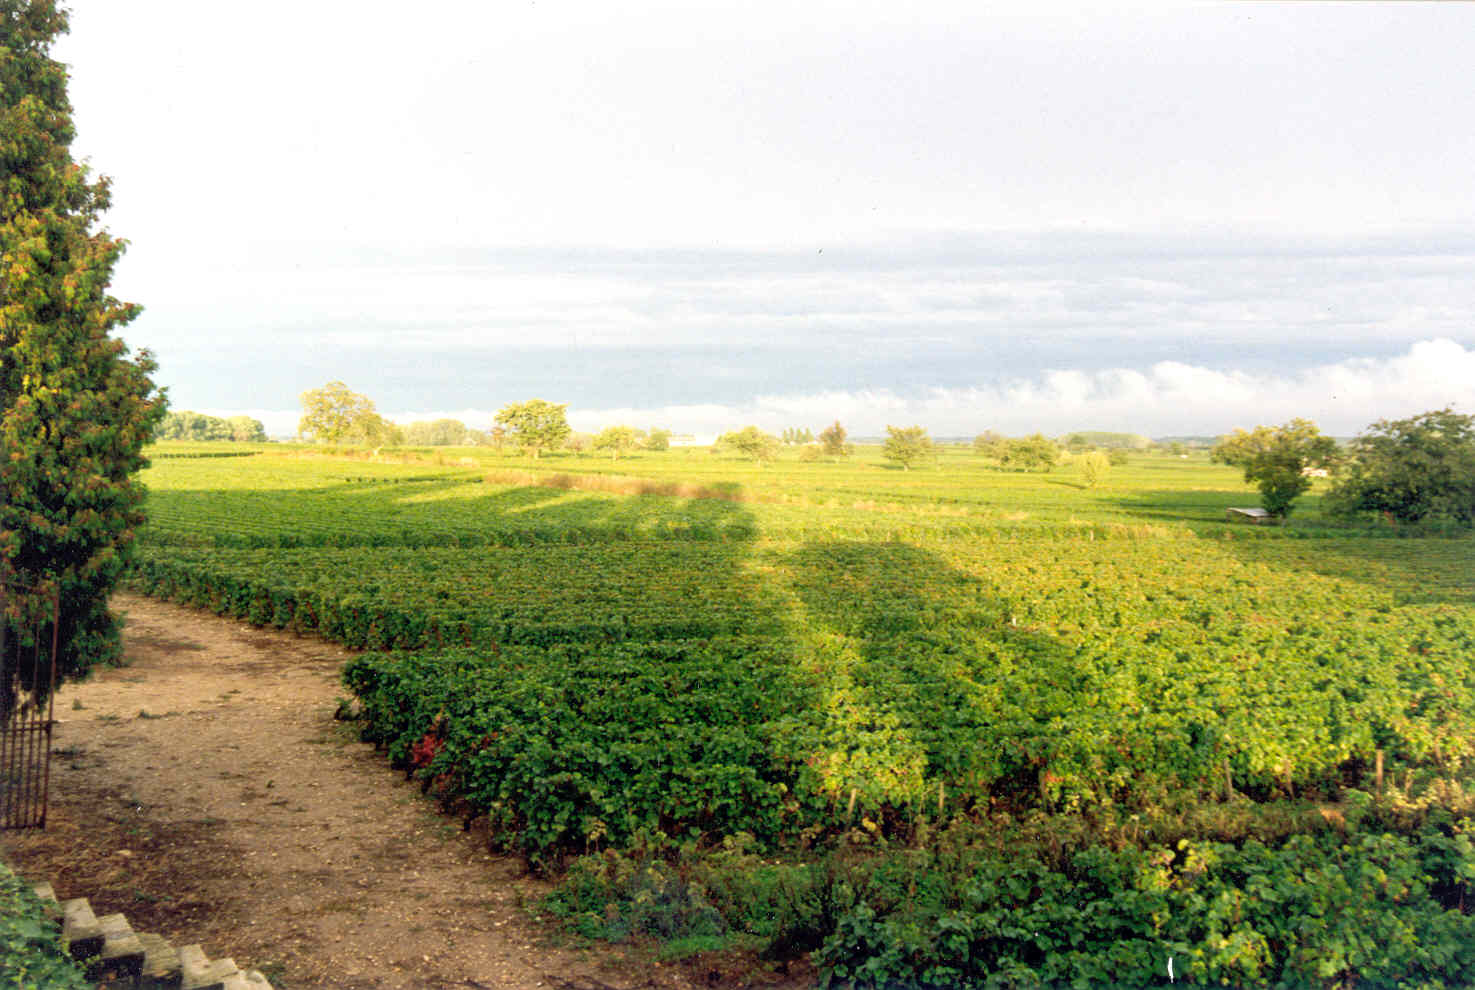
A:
x: 205, y: 790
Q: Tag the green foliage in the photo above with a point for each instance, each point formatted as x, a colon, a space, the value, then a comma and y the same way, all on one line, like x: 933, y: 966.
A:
x: 990, y: 444
x: 657, y: 439
x: 75, y: 410
x: 1036, y: 452
x: 438, y: 433
x: 1117, y: 457
x: 1094, y: 467
x: 574, y: 744
x: 32, y: 956
x: 535, y: 425
x: 1315, y: 911
x: 198, y: 427
x: 751, y: 442
x: 796, y: 435
x: 334, y: 414
x: 1278, y: 459
x: 907, y: 445
x: 617, y: 440
x: 767, y: 707
x: 832, y: 441
x: 1412, y: 469
x: 1082, y: 440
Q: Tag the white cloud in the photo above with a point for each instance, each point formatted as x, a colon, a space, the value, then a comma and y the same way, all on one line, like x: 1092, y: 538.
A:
x: 1166, y: 398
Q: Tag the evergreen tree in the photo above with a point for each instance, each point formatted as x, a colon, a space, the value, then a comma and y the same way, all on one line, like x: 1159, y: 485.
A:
x: 75, y: 409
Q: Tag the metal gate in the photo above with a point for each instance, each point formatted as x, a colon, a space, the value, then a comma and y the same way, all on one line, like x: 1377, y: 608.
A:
x: 29, y: 620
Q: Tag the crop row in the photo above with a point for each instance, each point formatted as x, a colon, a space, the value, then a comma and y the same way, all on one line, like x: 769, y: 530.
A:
x: 390, y: 598
x: 1082, y: 674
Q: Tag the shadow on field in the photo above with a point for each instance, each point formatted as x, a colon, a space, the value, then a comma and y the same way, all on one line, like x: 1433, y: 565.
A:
x: 1415, y: 570
x: 1197, y: 509
x: 447, y: 511
x: 932, y: 679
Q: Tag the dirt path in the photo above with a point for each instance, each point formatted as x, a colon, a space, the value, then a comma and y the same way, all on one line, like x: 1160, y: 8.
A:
x: 206, y: 791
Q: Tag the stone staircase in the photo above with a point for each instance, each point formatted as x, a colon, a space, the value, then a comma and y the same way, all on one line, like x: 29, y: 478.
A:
x: 117, y: 957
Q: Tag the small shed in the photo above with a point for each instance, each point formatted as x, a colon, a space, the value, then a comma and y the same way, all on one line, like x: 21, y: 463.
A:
x: 1253, y: 516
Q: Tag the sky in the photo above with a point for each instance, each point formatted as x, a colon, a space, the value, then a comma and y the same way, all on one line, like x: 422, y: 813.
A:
x: 1165, y: 219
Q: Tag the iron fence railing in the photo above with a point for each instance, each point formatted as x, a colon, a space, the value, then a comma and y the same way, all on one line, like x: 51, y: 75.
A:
x: 29, y: 621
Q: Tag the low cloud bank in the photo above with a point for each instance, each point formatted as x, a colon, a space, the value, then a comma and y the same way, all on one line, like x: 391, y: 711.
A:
x: 1167, y: 397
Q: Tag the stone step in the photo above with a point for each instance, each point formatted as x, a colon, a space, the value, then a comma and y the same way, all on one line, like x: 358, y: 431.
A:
x: 80, y: 931
x: 122, y: 952
x: 48, y: 897
x: 201, y: 973
x: 117, y: 957
x: 161, y: 970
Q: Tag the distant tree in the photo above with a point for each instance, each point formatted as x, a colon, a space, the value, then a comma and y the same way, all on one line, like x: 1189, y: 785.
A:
x: 1082, y: 440
x: 187, y: 425
x: 244, y: 429
x: 1278, y: 459
x: 535, y: 425
x: 334, y: 414
x: 990, y: 444
x: 497, y: 438
x: 1035, y: 452
x: 795, y: 435
x: 1094, y: 466
x: 437, y: 433
x: 658, y: 439
x: 375, y: 431
x: 1412, y: 469
x: 579, y: 443
x: 751, y: 442
x: 1117, y: 457
x: 832, y: 441
x: 617, y: 440
x: 907, y: 445
x: 75, y: 409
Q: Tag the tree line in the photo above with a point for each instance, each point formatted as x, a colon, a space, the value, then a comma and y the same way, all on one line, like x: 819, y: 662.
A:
x: 188, y: 425
x: 1415, y: 470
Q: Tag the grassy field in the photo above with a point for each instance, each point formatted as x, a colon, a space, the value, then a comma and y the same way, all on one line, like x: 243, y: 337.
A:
x: 897, y: 721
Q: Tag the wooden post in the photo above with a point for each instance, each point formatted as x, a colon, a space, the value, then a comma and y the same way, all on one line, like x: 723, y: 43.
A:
x: 1378, y: 770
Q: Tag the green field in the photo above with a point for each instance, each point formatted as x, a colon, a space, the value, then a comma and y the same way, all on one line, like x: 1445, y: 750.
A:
x: 901, y: 720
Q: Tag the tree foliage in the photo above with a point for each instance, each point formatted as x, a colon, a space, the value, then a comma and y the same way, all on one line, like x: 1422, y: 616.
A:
x: 188, y: 425
x: 907, y: 445
x: 1412, y: 469
x: 1278, y: 459
x: 832, y: 441
x: 990, y: 443
x: 1094, y: 466
x: 751, y: 442
x: 1082, y: 440
x: 334, y: 414
x: 75, y: 409
x: 1035, y: 452
x: 657, y: 439
x: 617, y: 440
x: 438, y: 433
x: 795, y: 435
x: 535, y: 425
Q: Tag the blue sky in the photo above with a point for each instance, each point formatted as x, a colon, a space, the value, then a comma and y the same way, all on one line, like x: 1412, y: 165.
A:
x: 1163, y: 218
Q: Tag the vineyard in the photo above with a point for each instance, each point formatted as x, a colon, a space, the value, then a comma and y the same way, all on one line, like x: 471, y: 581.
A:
x: 944, y: 727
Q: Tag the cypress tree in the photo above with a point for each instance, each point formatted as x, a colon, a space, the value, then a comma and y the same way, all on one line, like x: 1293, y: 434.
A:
x: 75, y: 408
